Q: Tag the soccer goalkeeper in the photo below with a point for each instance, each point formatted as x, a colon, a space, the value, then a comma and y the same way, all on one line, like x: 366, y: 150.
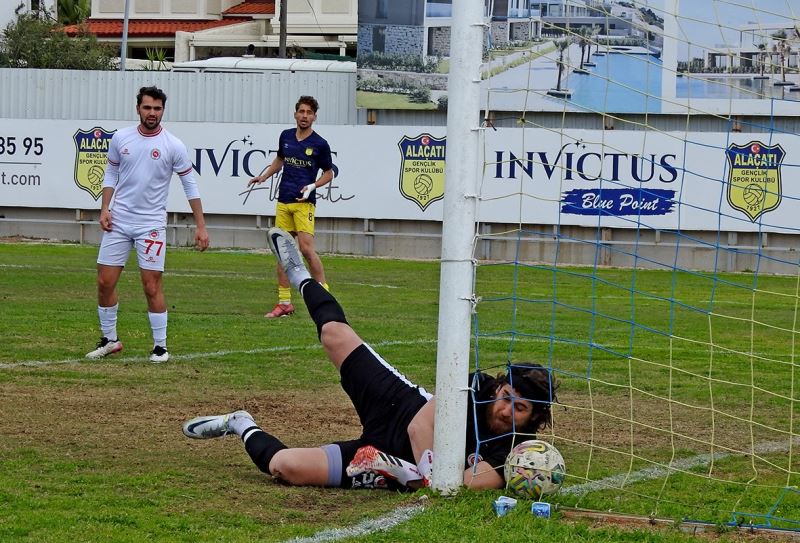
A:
x: 394, y: 450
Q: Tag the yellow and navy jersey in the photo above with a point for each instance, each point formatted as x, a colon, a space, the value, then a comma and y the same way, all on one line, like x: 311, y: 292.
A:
x: 302, y: 160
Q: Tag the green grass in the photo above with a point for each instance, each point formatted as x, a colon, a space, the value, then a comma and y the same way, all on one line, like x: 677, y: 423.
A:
x: 387, y: 100
x: 92, y: 451
x: 516, y: 62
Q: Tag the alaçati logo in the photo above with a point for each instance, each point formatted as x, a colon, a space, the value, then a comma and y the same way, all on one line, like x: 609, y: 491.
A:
x: 91, y: 152
x: 754, y: 181
x: 422, y: 169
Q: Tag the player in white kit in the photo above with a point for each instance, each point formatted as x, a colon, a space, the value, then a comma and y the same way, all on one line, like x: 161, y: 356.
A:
x: 141, y: 161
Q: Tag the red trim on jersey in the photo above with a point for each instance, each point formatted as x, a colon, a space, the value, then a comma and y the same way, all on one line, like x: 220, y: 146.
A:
x: 156, y: 133
x: 184, y: 172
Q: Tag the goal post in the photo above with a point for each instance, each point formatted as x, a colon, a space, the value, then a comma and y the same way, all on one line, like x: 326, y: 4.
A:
x: 462, y: 173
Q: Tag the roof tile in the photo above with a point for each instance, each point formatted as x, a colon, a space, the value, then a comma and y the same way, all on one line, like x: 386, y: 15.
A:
x: 111, y: 28
x: 252, y: 7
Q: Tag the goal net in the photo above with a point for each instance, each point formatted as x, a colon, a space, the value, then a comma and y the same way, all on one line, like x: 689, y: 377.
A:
x: 638, y: 234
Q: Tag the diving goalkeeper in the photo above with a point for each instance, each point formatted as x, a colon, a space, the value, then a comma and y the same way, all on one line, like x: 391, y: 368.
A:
x: 394, y: 450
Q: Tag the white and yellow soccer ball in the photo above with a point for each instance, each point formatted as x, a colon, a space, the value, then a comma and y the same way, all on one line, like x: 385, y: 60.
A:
x: 534, y: 469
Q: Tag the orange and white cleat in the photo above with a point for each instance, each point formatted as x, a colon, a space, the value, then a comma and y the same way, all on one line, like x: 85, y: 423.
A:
x: 280, y: 310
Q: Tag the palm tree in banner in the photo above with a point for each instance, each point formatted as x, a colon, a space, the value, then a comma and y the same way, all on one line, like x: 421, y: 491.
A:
x: 561, y: 46
x: 780, y: 48
x: 762, y: 57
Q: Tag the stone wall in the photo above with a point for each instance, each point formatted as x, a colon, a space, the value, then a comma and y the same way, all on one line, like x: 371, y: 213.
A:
x: 399, y: 40
x: 405, y: 40
x: 521, y: 31
x: 440, y: 41
x: 499, y: 33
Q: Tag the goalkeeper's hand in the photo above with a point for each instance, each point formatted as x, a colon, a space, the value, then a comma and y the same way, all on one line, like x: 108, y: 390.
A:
x: 306, y: 191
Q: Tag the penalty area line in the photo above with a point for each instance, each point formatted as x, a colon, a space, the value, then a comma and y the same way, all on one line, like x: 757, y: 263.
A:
x: 656, y: 472
x: 365, y: 527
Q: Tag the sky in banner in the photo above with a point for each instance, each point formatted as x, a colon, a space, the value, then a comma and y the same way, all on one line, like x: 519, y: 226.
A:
x: 716, y: 23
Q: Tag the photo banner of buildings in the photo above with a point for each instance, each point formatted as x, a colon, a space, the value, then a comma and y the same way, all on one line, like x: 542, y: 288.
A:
x: 618, y: 56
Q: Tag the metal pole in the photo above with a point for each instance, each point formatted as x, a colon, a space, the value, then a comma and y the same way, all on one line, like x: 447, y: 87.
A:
x: 123, y: 51
x: 462, y: 172
x: 282, y: 30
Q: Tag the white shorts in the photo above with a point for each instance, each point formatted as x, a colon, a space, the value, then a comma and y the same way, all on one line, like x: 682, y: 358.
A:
x: 151, y: 246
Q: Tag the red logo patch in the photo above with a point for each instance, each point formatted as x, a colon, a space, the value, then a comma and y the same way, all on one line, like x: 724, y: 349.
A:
x: 155, y: 154
x: 153, y: 234
x: 473, y: 459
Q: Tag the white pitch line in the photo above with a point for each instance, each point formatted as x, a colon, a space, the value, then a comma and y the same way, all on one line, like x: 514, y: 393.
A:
x: 368, y: 285
x: 365, y: 527
x: 404, y: 514
x: 179, y: 273
x: 656, y: 472
x: 195, y: 356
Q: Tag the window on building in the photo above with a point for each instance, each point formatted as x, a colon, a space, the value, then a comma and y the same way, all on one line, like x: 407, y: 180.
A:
x: 382, y: 9
x: 379, y: 39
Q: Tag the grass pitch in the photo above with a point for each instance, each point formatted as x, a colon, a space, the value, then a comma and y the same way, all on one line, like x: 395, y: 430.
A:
x: 93, y: 451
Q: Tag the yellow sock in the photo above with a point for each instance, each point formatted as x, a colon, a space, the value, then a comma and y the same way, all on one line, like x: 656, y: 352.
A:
x: 325, y: 286
x: 284, y: 295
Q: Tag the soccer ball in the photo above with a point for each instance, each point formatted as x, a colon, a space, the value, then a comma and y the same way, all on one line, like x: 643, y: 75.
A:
x: 534, y: 468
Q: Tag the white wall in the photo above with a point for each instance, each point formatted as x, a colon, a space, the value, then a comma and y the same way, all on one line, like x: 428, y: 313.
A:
x: 8, y: 9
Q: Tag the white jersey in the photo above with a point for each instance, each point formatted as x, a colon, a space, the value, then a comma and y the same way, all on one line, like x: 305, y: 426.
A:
x: 140, y: 167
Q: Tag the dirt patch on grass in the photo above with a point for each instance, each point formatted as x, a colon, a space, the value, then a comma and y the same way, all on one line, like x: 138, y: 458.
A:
x: 131, y: 428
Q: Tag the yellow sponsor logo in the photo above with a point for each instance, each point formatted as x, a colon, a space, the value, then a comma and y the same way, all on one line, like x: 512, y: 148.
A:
x: 754, y: 178
x: 422, y: 169
x: 91, y: 156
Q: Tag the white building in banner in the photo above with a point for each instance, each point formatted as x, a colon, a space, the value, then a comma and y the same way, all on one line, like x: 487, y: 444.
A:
x: 422, y: 27
x: 196, y: 29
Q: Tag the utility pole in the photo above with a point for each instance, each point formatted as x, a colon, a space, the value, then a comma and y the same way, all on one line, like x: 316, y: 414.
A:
x: 282, y: 42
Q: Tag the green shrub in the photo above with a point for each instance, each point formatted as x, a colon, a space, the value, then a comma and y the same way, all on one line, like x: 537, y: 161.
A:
x: 404, y: 63
x: 420, y: 95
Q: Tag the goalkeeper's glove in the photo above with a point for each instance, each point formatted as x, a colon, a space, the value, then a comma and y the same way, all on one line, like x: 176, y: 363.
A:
x: 306, y: 191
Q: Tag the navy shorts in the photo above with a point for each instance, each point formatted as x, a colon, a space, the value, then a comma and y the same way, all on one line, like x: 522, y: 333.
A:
x: 385, y: 401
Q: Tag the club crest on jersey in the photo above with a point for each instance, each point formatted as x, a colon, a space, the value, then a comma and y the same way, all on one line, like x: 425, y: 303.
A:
x: 422, y: 169
x: 309, y: 151
x: 155, y: 154
x: 91, y: 156
x: 474, y: 459
x: 754, y: 178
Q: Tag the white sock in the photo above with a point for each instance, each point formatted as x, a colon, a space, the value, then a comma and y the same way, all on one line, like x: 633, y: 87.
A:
x: 108, y: 320
x: 297, y: 275
x: 240, y: 425
x: 425, y: 464
x: 158, y: 323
